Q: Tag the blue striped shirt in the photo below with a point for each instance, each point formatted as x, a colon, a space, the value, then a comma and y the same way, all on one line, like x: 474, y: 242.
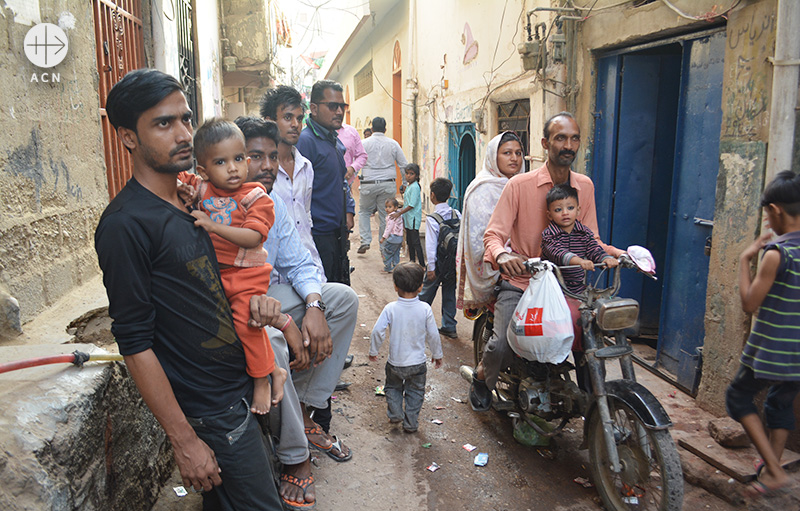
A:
x: 773, y: 348
x: 560, y: 247
x: 290, y: 259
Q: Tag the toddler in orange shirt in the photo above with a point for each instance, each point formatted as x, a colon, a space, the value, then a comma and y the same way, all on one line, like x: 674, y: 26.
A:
x: 238, y: 216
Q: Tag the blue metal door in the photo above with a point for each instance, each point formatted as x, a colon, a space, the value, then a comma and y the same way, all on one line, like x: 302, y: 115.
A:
x: 694, y: 190
x: 460, y: 160
x: 655, y: 107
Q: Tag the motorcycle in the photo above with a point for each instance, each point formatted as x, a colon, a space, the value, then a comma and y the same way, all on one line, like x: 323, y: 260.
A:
x: 633, y: 459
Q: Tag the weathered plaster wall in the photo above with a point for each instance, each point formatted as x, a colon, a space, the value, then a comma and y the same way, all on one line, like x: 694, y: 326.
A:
x: 745, y: 124
x: 209, y: 74
x: 52, y: 173
x: 378, y: 46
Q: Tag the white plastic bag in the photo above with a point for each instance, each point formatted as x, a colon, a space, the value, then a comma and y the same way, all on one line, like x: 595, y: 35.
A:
x: 541, y: 328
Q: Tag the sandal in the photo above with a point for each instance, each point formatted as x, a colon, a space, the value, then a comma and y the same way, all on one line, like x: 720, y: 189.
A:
x: 337, y: 444
x: 316, y: 430
x: 303, y: 484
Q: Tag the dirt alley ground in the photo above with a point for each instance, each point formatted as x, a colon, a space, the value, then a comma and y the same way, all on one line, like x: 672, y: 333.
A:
x: 388, y: 469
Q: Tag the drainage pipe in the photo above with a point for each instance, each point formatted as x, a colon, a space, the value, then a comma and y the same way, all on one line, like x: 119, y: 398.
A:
x: 77, y: 358
x: 784, y: 88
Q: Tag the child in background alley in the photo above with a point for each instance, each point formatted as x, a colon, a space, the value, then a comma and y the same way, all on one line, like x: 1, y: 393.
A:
x: 441, y: 273
x: 771, y: 357
x: 411, y: 325
x: 392, y: 238
x: 412, y: 214
x: 238, y: 216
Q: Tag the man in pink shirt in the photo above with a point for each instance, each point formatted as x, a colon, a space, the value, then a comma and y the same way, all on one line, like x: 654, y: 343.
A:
x: 355, y: 157
x: 519, y: 218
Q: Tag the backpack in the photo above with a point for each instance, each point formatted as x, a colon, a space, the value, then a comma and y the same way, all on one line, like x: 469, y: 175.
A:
x: 446, y: 246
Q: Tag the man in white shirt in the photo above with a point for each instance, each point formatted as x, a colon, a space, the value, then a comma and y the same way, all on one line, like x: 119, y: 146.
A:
x: 295, y: 179
x: 378, y: 180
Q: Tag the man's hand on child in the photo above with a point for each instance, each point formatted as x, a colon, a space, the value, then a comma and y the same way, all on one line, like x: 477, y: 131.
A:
x: 373, y: 358
x: 294, y: 339
x: 437, y: 362
x: 264, y: 310
x: 394, y: 214
x: 187, y: 193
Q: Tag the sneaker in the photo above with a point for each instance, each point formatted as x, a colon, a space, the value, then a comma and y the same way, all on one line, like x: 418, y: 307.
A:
x: 448, y: 333
x: 342, y: 385
x: 363, y: 249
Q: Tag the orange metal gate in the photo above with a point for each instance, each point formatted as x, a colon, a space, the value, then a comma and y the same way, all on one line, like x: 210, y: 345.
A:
x: 120, y: 48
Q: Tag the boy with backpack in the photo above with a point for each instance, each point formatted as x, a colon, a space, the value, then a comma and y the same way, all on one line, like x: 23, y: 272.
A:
x: 441, y: 241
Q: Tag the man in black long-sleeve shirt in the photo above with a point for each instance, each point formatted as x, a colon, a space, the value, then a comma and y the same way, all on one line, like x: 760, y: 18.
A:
x: 171, y: 319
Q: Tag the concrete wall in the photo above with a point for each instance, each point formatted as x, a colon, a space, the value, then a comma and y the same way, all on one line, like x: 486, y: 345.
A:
x: 745, y: 124
x: 52, y: 174
x: 77, y: 438
x: 209, y: 71
x: 378, y: 46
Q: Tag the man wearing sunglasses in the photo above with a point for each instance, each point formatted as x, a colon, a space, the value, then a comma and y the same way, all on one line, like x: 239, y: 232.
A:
x: 332, y: 208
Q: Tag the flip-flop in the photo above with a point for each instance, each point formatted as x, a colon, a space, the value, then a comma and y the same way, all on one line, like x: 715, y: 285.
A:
x: 758, y: 465
x: 316, y: 430
x: 303, y: 484
x: 337, y: 444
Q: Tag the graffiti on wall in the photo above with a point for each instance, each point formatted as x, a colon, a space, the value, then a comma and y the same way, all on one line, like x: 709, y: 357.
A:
x: 746, y: 94
x: 470, y: 45
x: 30, y: 162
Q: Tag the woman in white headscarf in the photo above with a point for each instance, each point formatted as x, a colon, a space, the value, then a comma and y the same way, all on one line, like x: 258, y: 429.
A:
x: 476, y: 279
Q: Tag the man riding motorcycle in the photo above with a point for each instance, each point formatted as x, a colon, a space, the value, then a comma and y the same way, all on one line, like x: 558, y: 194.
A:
x: 521, y: 216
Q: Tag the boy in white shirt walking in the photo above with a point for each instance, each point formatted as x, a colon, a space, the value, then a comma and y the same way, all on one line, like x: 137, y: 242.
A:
x: 406, y: 368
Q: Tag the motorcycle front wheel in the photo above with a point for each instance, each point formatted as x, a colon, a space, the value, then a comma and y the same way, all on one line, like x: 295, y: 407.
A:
x: 651, y: 477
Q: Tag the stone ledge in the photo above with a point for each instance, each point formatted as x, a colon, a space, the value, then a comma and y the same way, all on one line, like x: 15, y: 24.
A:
x: 77, y: 438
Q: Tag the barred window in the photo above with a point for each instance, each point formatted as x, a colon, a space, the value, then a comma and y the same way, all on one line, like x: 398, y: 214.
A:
x: 363, y: 81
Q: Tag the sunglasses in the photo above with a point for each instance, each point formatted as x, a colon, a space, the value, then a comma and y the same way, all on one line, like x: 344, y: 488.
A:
x: 332, y: 106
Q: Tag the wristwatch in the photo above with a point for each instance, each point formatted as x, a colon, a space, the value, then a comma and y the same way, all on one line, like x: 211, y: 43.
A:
x: 319, y: 304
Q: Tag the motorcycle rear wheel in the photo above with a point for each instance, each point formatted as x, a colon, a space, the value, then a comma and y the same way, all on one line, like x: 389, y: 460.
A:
x: 481, y: 331
x: 651, y: 476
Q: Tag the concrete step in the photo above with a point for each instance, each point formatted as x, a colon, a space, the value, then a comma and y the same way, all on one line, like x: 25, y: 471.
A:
x: 77, y: 438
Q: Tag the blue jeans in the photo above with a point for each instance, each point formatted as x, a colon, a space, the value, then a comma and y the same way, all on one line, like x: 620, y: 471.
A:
x: 429, y: 288
x: 391, y: 251
x: 405, y: 383
x: 235, y: 437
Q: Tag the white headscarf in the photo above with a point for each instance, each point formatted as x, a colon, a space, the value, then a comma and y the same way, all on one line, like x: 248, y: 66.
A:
x: 476, y: 279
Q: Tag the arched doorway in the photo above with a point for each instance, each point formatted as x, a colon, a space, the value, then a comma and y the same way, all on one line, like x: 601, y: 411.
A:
x: 461, y: 160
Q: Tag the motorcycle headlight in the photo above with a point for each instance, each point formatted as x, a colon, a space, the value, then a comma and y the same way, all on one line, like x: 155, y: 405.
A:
x: 617, y: 314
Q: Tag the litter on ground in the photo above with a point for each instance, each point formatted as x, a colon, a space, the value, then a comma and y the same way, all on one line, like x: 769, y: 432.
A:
x: 481, y: 459
x: 436, y: 421
x: 469, y: 447
x: 379, y: 391
x: 433, y: 467
x: 180, y: 491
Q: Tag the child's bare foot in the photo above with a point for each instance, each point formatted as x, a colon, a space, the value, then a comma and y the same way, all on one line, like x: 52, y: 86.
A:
x: 278, y: 379
x: 261, y: 395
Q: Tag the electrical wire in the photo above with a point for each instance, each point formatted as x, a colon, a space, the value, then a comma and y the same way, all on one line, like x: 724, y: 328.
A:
x: 709, y: 16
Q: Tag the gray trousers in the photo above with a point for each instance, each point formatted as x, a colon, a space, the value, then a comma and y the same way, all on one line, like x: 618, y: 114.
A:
x: 314, y: 385
x: 372, y: 198
x: 405, y: 383
x: 498, y: 354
